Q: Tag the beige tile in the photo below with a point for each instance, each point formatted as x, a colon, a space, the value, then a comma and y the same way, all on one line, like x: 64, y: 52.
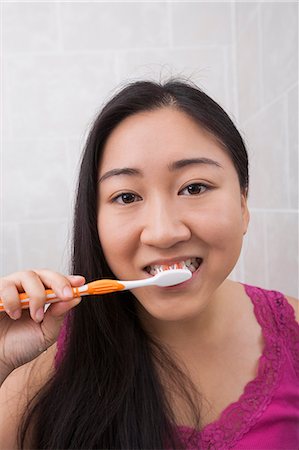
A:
x: 200, y: 23
x: 57, y: 95
x: 75, y: 148
x: 266, y: 139
x: 282, y: 243
x: 279, y: 47
x: 5, y: 101
x: 254, y: 251
x: 30, y: 26
x: 45, y: 245
x: 10, y: 260
x: 74, y: 152
x: 105, y: 25
x: 292, y: 99
x: 245, y: 12
x: 34, y: 180
x: 26, y: 1
x: 229, y: 82
x: 237, y: 274
x: 202, y: 65
x: 248, y: 68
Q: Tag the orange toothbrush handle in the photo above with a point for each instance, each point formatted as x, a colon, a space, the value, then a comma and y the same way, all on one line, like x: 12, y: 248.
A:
x: 94, y: 288
x: 50, y: 294
x: 104, y: 287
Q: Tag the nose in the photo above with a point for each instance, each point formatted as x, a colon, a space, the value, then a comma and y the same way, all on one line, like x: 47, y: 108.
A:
x: 164, y: 227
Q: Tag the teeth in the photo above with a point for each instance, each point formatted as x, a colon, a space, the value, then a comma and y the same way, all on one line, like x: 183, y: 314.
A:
x: 192, y: 264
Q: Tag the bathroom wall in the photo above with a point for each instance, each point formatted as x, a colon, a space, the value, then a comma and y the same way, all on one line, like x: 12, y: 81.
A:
x: 62, y: 60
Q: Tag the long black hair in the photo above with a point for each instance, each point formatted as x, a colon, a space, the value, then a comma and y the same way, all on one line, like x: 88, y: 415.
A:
x: 113, y: 387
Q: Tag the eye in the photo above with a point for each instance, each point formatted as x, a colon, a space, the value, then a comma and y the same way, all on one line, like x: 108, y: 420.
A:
x: 194, y: 189
x: 126, y: 198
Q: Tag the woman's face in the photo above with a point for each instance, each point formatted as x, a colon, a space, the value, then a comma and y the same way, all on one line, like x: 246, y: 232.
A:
x: 169, y: 193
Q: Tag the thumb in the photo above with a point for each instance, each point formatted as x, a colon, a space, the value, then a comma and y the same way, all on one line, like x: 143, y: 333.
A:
x: 54, y: 317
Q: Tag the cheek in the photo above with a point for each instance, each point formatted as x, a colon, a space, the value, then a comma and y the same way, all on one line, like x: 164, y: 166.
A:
x: 117, y: 241
x: 220, y: 226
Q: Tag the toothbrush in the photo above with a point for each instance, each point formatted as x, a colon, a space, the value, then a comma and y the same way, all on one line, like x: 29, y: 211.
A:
x: 164, y: 278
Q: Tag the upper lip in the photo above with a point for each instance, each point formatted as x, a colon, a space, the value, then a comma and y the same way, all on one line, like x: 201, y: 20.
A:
x: 169, y: 261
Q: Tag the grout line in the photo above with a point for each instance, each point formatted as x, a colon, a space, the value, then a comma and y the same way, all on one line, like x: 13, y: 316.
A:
x: 59, y: 27
x: 269, y: 104
x: 287, y: 146
x: 145, y: 1
x: 117, y: 67
x: 274, y: 210
x: 235, y: 80
x: 170, y: 24
x: 9, y: 131
x: 260, y: 54
x: 116, y: 1
x: 108, y: 50
x: 35, y: 221
x: 19, y: 245
x: 42, y: 139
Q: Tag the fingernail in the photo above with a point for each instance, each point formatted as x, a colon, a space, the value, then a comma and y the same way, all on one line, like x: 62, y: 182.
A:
x: 16, y: 314
x: 68, y: 292
x: 39, y: 315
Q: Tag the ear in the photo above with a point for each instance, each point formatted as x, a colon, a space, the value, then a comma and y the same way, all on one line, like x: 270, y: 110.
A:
x: 245, y: 212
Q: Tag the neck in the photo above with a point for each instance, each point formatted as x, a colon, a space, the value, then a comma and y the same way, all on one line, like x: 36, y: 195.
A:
x: 207, y: 329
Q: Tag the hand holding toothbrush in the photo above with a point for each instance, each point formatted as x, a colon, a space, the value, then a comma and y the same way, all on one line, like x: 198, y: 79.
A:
x: 24, y: 339
x: 25, y: 335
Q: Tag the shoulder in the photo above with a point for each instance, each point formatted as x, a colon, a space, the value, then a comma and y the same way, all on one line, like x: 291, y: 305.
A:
x: 275, y: 299
x: 294, y: 302
x: 18, y: 389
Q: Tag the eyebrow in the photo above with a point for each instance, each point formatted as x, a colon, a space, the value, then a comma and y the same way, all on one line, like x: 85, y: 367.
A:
x: 190, y: 161
x: 176, y: 165
x: 123, y: 171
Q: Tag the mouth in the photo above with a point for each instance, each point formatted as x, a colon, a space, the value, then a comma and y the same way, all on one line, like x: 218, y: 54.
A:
x: 191, y: 263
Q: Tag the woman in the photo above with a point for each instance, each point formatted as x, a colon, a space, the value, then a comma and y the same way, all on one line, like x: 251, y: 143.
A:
x: 210, y: 363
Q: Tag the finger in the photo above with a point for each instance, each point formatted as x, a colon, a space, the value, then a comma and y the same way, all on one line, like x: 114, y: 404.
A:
x: 34, y: 282
x: 54, y: 317
x: 10, y: 298
x: 76, y: 280
x: 35, y: 289
x: 17, y: 279
x: 60, y: 284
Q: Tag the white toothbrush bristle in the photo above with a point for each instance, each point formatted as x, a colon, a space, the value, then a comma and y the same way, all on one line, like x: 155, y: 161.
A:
x: 172, y: 277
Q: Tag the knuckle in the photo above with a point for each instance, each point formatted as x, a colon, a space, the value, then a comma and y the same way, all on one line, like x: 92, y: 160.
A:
x: 6, y: 289
x: 55, y: 278
x: 31, y: 273
x: 61, y: 281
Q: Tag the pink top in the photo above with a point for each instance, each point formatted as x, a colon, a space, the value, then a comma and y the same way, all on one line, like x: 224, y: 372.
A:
x: 266, y: 416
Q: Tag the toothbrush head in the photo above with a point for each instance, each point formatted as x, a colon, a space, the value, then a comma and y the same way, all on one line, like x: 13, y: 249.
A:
x: 171, y: 277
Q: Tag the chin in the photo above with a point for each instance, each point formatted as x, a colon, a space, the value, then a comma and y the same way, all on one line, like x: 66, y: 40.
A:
x: 174, y: 311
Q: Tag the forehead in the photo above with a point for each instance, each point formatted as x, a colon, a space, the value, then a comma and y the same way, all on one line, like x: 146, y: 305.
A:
x: 160, y: 136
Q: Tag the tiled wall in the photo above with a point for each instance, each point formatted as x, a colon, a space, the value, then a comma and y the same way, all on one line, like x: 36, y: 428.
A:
x: 62, y: 60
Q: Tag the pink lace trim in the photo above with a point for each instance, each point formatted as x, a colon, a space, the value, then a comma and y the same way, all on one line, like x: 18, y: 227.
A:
x: 279, y: 328
x: 287, y: 326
